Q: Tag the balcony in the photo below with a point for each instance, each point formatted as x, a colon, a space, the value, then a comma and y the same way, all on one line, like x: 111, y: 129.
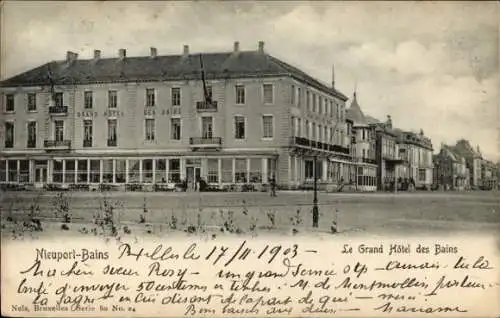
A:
x: 112, y: 143
x: 205, y: 142
x: 369, y: 160
x: 57, y: 144
x: 304, y: 142
x: 206, y: 107
x: 87, y: 143
x: 58, y: 110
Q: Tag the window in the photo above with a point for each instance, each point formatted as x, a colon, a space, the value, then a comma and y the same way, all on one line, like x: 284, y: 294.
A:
x: 59, y: 99
x: 59, y: 130
x: 267, y: 125
x: 299, y: 128
x: 314, y: 98
x: 313, y: 132
x: 88, y: 99
x: 150, y: 129
x: 292, y: 95
x: 299, y: 96
x: 268, y: 93
x: 308, y: 100
x: 9, y: 135
x: 309, y: 169
x: 213, y: 171
x: 308, y: 129
x: 176, y: 96
x: 320, y: 132
x: 31, y: 134
x: 150, y: 97
x: 320, y: 106
x: 112, y: 99
x: 31, y: 102
x: 421, y: 174
x: 240, y: 94
x: 112, y: 130
x: 147, y: 171
x: 239, y: 127
x: 87, y: 133
x: 206, y: 127
x: 9, y: 102
x: 294, y: 126
x: 174, y: 170
x: 175, y: 129
x: 240, y: 174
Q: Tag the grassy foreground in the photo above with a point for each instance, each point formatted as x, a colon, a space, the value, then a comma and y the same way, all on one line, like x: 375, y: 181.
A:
x: 118, y: 214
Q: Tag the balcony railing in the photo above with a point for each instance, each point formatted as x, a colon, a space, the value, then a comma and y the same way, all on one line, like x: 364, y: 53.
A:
x: 205, y: 142
x: 31, y: 144
x: 58, y: 110
x: 206, y: 107
x: 87, y: 143
x: 9, y: 144
x: 57, y: 144
x: 112, y: 143
x: 369, y: 160
x: 301, y: 141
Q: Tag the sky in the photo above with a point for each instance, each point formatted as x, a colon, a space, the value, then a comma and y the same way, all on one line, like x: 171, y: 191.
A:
x: 430, y: 65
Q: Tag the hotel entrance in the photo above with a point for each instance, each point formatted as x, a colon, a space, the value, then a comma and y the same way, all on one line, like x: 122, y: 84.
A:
x: 193, y: 172
x: 40, y: 172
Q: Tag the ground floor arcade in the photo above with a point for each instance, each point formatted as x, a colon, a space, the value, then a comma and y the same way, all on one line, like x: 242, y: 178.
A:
x: 290, y: 170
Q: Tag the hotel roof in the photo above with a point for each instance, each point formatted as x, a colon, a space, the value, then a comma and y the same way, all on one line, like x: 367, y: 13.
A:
x: 187, y: 66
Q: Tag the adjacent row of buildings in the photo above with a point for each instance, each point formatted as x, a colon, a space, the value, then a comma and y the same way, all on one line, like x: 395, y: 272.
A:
x: 460, y: 167
x: 239, y: 117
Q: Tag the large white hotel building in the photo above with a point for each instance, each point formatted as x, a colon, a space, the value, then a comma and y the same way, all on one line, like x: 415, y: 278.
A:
x: 147, y: 120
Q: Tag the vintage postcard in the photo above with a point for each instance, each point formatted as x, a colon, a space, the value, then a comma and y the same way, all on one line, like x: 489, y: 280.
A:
x: 250, y: 159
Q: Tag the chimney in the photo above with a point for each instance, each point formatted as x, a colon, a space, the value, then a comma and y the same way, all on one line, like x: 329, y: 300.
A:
x: 154, y: 52
x: 236, y: 47
x: 333, y: 75
x: 71, y: 56
x: 122, y: 53
x: 186, y: 50
x: 261, y: 46
x: 389, y: 122
x: 97, y: 54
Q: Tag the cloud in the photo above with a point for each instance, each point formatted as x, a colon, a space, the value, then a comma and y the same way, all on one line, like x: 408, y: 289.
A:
x: 432, y: 65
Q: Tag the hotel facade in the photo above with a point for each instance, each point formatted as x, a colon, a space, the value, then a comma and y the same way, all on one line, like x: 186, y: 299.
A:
x: 238, y: 117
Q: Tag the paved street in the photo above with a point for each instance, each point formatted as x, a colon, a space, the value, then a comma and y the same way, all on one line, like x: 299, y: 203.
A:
x: 418, y: 213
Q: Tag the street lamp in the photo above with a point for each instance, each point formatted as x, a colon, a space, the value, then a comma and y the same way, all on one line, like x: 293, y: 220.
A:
x: 315, y: 210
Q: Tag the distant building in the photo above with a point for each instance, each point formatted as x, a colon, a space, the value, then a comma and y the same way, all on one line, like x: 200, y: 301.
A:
x: 416, y: 151
x: 450, y: 169
x: 363, y: 152
x: 387, y: 154
x: 473, y: 160
x: 489, y: 175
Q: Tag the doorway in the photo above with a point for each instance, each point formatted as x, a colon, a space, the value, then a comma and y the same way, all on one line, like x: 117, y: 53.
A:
x: 193, y: 174
x: 41, y: 175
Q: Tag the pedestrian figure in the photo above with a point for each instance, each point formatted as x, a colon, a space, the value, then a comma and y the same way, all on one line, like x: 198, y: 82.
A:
x: 272, y: 182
